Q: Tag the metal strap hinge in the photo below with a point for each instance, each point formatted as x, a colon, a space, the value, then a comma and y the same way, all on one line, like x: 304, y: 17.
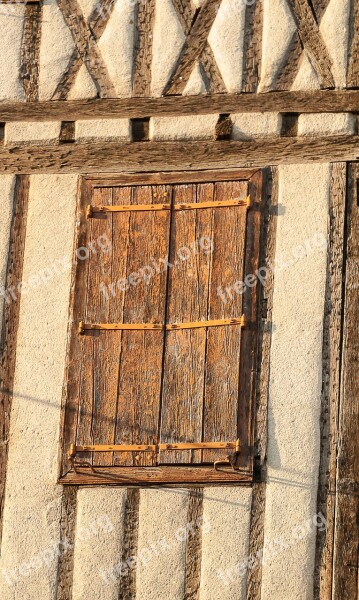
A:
x: 158, y: 326
x: 91, y: 210
x: 156, y: 448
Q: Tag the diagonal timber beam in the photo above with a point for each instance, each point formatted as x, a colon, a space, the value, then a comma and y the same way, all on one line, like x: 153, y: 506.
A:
x: 212, y: 76
x: 309, y: 38
x: 194, y: 46
x: 86, y: 51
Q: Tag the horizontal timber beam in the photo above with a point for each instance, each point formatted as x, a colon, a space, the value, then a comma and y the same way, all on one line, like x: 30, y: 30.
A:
x: 113, y: 157
x: 297, y: 102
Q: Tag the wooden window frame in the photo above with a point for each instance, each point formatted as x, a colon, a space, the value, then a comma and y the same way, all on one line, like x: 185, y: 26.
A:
x: 177, y: 475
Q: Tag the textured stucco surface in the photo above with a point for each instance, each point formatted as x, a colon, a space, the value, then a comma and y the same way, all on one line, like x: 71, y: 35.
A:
x: 56, y: 49
x: 295, y: 382
x: 162, y: 516
x: 227, y: 512
x: 11, y: 27
x: 32, y: 132
x: 326, y: 124
x: 7, y: 186
x: 33, y: 498
x: 226, y: 40
x: 103, y: 129
x: 334, y: 28
x: 247, y: 126
x: 200, y: 127
x: 98, y: 543
x: 278, y: 29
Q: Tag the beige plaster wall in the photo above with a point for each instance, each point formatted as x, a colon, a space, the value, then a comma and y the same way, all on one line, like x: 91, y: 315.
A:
x: 29, y: 559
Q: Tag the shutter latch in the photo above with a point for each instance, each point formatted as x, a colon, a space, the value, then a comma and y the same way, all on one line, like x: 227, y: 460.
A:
x: 231, y: 459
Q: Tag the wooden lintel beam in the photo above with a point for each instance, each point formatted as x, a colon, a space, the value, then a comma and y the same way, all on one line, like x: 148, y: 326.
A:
x: 106, y: 108
x: 108, y: 157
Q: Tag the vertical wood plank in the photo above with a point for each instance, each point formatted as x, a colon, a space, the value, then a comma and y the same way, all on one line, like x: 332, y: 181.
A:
x: 332, y: 340
x: 143, y: 50
x: 30, y: 51
x: 346, y: 534
x: 10, y: 322
x: 353, y: 62
x: 252, y: 50
x: 140, y: 371
x: 188, y: 289
x: 223, y: 343
x: 249, y: 340
x: 267, y: 256
x: 79, y: 350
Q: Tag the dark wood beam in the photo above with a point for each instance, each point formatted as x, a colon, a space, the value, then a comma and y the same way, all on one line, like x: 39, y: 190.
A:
x: 289, y: 102
x: 114, y: 157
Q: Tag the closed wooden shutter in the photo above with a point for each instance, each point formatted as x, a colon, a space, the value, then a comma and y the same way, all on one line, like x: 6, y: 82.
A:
x: 165, y: 355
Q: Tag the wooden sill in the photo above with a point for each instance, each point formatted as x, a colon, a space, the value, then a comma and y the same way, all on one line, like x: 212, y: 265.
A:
x: 154, y: 476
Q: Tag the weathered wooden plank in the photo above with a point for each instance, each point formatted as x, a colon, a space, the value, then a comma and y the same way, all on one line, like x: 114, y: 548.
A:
x: 346, y: 534
x: 331, y: 383
x: 30, y: 51
x: 249, y: 338
x: 78, y: 348
x: 288, y: 72
x: 353, y: 58
x: 252, y: 49
x: 194, y: 46
x: 213, y: 80
x: 130, y: 544
x: 166, y: 156
x: 220, y: 398
x: 140, y: 373
x: 87, y: 47
x: 267, y: 255
x: 106, y: 349
x: 193, y: 545
x: 145, y: 13
x: 68, y: 531
x: 285, y: 101
x: 185, y: 350
x: 67, y: 132
x: 10, y: 324
x: 312, y: 40
x: 177, y: 177
x: 171, y: 475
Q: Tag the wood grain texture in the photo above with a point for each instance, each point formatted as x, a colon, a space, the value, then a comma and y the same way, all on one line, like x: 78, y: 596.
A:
x: 116, y: 379
x: 10, y: 323
x: 130, y: 544
x: 67, y: 541
x: 288, y: 71
x: 353, y: 58
x: 193, y: 545
x: 346, y: 533
x: 312, y: 41
x: 140, y: 373
x: 145, y: 13
x: 193, y: 48
x: 331, y: 383
x: 177, y: 476
x: 67, y: 132
x: 186, y: 13
x: 267, y: 255
x: 113, y: 157
x: 331, y: 101
x: 252, y: 50
x: 87, y: 49
x: 30, y: 51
